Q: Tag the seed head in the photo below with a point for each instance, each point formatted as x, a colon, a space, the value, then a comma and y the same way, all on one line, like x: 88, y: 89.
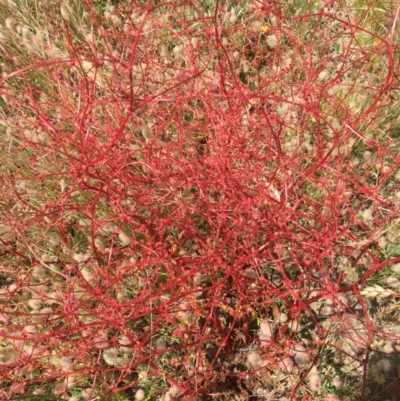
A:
x: 366, y: 214
x: 323, y: 75
x: 233, y: 17
x: 286, y: 364
x: 300, y: 355
x: 139, y: 395
x: 396, y: 268
x: 125, y: 240
x: 65, y: 364
x: 111, y: 356
x: 367, y: 155
x: 295, y: 326
x: 64, y: 11
x: 160, y: 343
x: 26, y: 32
x: 87, y: 274
x: 35, y: 303
x: 315, y: 382
x: 116, y: 21
x: 272, y: 41
x: 265, y: 330
x: 388, y: 348
x: 375, y: 291
x: 257, y: 26
x: 39, y: 272
x: 10, y: 23
x: 254, y: 359
x: 382, y: 242
x: 7, y: 354
x: 337, y: 382
x: 283, y: 317
x: 147, y: 27
x: 392, y: 236
x: 393, y: 282
x: 385, y: 365
x: 124, y: 340
x: 80, y: 257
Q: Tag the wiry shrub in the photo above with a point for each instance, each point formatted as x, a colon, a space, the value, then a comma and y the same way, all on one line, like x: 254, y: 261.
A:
x: 193, y: 196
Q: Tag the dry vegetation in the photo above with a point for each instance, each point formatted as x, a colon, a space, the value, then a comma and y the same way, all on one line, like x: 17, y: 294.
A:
x: 199, y: 200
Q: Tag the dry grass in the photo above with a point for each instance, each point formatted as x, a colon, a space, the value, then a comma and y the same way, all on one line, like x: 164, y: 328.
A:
x: 199, y: 203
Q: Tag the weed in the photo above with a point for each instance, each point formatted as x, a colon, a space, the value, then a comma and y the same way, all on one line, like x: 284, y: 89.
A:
x: 198, y: 199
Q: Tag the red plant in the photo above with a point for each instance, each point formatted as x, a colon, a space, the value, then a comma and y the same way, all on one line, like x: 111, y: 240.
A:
x: 172, y: 173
